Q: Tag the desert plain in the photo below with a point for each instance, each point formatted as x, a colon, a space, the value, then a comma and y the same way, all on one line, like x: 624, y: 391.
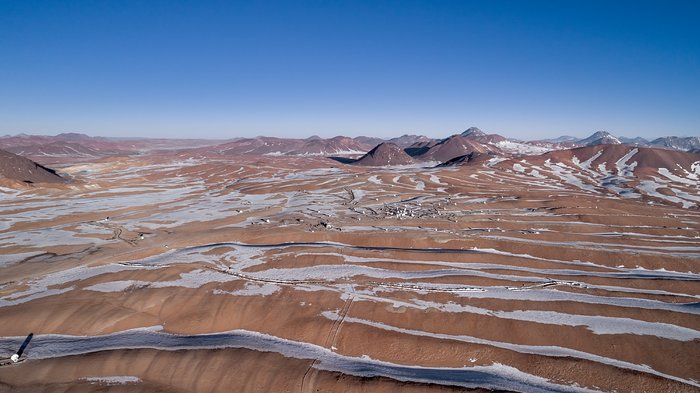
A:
x: 179, y: 270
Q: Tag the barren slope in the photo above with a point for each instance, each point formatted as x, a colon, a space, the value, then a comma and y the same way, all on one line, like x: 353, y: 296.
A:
x: 207, y: 273
x: 20, y: 169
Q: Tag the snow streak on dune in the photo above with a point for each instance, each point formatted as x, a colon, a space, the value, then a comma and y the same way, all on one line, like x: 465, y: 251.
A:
x: 624, y: 171
x: 549, y: 273
x: 495, y: 376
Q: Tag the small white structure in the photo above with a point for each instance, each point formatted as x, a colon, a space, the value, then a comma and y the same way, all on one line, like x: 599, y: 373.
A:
x: 14, y: 358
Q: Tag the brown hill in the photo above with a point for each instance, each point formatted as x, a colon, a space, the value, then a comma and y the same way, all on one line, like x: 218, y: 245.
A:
x: 18, y: 168
x: 644, y: 159
x: 467, y: 159
x: 385, y: 154
x: 454, y: 146
x: 421, y: 147
x: 630, y: 172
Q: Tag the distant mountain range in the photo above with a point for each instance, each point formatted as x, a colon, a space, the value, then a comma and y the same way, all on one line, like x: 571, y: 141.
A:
x: 474, y: 145
x: 402, y: 141
x: 677, y: 143
x: 604, y: 137
x: 73, y: 146
x: 313, y: 146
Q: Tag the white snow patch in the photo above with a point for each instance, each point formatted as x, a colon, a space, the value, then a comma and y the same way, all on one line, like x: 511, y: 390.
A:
x: 649, y: 187
x: 623, y: 168
x: 114, y: 380
x: 665, y: 172
x: 252, y: 289
x: 374, y: 179
x: 521, y: 148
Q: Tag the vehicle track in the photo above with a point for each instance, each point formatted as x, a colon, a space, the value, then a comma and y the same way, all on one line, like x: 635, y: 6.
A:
x: 328, y: 343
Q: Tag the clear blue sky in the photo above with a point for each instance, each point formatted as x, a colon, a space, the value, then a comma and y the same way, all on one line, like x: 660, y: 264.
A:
x: 524, y: 69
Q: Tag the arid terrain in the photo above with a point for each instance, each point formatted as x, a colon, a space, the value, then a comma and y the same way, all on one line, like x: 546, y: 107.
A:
x: 235, y: 266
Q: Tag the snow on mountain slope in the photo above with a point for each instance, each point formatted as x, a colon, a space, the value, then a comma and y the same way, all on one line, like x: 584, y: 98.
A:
x: 621, y: 170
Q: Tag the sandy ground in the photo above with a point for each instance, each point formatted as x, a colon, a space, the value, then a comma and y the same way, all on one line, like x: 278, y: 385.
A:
x: 405, y: 278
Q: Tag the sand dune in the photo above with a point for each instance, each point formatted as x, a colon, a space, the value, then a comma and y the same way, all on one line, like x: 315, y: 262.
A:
x: 189, y: 272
